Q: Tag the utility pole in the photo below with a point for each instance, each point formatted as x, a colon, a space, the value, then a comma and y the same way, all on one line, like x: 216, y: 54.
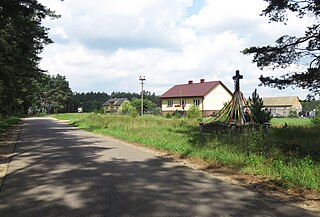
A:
x: 142, y: 78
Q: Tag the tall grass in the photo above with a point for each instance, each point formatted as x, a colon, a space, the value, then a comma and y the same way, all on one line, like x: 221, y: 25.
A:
x: 7, y: 122
x: 289, y: 155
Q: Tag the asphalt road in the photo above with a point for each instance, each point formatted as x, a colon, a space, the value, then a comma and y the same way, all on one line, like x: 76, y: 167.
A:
x: 58, y: 170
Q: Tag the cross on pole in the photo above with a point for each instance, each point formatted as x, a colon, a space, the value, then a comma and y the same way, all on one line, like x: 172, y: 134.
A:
x: 236, y: 79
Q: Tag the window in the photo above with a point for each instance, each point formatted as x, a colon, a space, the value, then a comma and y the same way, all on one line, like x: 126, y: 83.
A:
x: 196, y: 102
x: 169, y: 103
x: 183, y: 102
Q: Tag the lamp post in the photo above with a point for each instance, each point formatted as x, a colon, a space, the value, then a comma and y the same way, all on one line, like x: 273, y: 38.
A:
x: 142, y: 78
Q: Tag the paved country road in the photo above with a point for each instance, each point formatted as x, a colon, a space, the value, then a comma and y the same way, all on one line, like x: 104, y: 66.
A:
x: 58, y: 170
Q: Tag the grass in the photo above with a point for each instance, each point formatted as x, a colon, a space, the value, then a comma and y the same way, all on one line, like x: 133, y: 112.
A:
x: 290, y: 155
x: 291, y: 121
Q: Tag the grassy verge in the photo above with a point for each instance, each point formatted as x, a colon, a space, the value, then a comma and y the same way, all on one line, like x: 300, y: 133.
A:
x: 291, y: 121
x: 7, y: 122
x: 288, y: 155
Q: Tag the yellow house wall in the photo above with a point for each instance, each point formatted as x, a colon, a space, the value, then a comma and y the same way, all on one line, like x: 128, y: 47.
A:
x: 176, y: 101
x: 215, y: 99
x: 297, y: 105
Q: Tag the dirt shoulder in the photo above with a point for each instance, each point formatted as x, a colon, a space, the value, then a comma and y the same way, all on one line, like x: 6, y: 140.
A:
x: 303, y: 198
x: 8, y: 142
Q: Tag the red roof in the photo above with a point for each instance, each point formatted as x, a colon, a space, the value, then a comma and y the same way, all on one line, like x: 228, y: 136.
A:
x: 192, y: 90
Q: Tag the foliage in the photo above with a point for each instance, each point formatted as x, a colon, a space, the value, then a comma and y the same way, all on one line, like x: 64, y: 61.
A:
x: 194, y: 112
x: 168, y: 115
x: 293, y: 113
x: 176, y: 114
x: 51, y: 95
x: 316, y: 119
x: 128, y: 109
x: 92, y: 101
x: 256, y: 107
x: 22, y: 39
x: 7, y: 122
x: 89, y: 101
x: 288, y: 155
x: 291, y: 49
x: 310, y: 105
x: 148, y: 105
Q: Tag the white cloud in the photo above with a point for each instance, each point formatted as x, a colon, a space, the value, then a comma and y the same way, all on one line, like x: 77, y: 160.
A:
x: 105, y: 45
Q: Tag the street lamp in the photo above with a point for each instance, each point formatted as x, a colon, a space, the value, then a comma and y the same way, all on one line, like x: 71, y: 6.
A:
x: 142, y: 78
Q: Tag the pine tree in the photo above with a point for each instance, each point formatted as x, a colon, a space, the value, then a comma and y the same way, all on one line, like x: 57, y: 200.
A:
x: 291, y: 49
x: 256, y: 106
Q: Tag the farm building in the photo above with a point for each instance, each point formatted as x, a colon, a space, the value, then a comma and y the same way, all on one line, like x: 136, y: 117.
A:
x: 113, y: 105
x: 208, y: 96
x: 281, y: 106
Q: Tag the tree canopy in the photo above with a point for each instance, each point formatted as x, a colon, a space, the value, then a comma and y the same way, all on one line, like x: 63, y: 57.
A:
x: 22, y: 39
x: 292, y: 49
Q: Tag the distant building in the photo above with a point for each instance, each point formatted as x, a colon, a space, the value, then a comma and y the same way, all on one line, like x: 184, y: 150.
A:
x: 113, y: 105
x: 208, y: 96
x: 281, y: 106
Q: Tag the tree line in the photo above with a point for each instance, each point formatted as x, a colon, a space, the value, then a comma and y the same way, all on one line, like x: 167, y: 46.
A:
x: 22, y: 39
x: 24, y: 87
x: 93, y: 101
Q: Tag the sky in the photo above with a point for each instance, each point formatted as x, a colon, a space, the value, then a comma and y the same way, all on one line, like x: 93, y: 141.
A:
x: 105, y: 45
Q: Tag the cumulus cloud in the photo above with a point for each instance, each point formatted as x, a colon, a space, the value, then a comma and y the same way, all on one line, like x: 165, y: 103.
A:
x: 105, y: 45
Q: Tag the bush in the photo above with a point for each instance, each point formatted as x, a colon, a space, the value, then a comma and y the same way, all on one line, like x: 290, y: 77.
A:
x: 128, y: 109
x: 256, y: 107
x: 133, y: 112
x: 168, y: 115
x: 316, y: 119
x: 194, y: 112
x: 293, y: 114
x: 176, y: 114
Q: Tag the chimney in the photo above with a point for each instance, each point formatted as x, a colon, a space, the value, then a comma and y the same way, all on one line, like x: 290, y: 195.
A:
x: 190, y: 82
x: 201, y: 80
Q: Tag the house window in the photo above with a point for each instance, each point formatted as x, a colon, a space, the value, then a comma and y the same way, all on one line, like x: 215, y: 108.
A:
x: 183, y: 102
x: 196, y: 102
x: 169, y: 103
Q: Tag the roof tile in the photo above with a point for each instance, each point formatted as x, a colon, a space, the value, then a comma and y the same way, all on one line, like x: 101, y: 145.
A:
x: 191, y: 90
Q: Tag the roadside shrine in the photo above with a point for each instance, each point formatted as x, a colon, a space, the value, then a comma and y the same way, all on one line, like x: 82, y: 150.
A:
x: 235, y: 116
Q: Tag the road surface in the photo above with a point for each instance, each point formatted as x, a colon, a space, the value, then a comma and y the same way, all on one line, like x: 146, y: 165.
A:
x: 59, y: 170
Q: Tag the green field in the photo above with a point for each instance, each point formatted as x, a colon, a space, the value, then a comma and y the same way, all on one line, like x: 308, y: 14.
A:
x: 289, y: 155
x: 291, y: 121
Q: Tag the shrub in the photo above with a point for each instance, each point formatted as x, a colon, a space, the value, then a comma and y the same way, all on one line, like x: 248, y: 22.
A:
x: 168, y: 115
x: 194, y: 112
x: 316, y: 119
x: 293, y: 113
x: 176, y: 114
x: 133, y: 112
x: 256, y: 107
x: 128, y: 109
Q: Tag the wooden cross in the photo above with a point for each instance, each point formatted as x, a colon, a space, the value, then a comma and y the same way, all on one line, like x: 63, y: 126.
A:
x: 236, y: 79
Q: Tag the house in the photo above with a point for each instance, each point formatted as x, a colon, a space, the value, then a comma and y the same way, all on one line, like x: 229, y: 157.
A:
x: 281, y: 106
x: 113, y: 105
x: 208, y: 96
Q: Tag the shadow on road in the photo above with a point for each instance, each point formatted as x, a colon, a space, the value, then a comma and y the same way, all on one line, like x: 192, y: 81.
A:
x: 58, y: 170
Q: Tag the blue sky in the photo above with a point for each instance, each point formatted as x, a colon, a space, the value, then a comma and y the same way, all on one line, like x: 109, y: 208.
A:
x: 104, y: 45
